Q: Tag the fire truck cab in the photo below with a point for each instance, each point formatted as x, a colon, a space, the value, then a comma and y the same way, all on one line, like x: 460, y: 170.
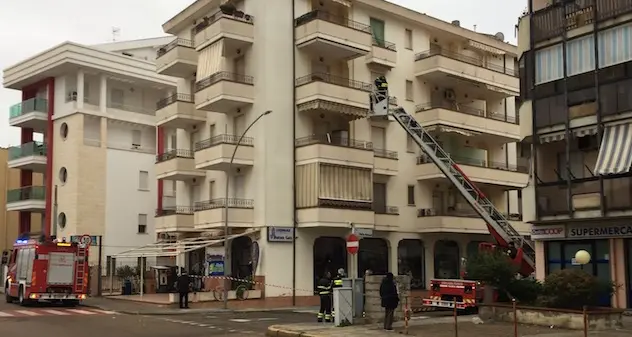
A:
x: 46, y: 270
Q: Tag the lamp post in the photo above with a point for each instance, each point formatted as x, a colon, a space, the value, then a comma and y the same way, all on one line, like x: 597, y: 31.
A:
x: 228, y: 172
x: 582, y: 257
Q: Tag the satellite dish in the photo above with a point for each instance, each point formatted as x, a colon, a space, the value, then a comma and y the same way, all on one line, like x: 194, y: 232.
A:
x: 500, y: 36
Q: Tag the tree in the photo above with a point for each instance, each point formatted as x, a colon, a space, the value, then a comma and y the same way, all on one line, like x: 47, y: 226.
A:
x: 491, y: 267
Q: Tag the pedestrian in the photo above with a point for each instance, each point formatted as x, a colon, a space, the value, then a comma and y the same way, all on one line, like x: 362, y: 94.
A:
x: 390, y: 300
x: 324, y: 292
x: 184, y: 287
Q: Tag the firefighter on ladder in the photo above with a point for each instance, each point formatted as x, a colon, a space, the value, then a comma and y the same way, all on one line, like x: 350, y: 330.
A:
x: 324, y: 292
x: 336, y: 283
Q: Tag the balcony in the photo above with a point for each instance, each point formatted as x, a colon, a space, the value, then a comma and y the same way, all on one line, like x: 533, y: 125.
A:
x: 211, y: 214
x: 336, y: 213
x: 215, y: 153
x: 480, y: 171
x: 178, y: 59
x: 451, y: 68
x: 383, y: 55
x: 334, y: 150
x: 224, y: 92
x: 339, y: 38
x: 27, y: 199
x: 174, y: 219
x: 177, y: 165
x: 386, y: 217
x: 178, y: 112
x: 345, y: 97
x: 385, y: 162
x: 29, y: 156
x: 461, y: 221
x: 235, y: 29
x: 31, y: 114
x: 500, y: 126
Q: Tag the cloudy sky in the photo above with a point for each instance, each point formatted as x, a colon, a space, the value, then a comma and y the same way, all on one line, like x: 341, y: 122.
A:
x: 30, y: 26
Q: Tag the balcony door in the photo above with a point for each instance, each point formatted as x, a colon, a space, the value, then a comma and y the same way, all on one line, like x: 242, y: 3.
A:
x: 378, y: 137
x: 379, y: 198
x: 239, y: 125
x: 239, y: 186
x: 239, y: 65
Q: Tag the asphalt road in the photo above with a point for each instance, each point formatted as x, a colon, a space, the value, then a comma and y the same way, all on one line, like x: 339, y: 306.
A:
x: 54, y: 321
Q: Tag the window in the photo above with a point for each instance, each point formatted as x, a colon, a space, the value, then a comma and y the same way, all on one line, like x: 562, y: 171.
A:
x: 379, y: 198
x: 409, y: 91
x: 377, y: 29
x: 110, y: 266
x: 378, y: 137
x: 410, y: 258
x: 408, y: 41
x: 117, y: 97
x: 411, y: 195
x: 239, y: 186
x: 212, y: 131
x: 142, y: 223
x: 410, y: 144
x: 174, y: 142
x: 239, y: 125
x: 143, y: 180
x: 373, y: 256
x: 211, y: 190
x: 446, y: 260
x: 136, y: 137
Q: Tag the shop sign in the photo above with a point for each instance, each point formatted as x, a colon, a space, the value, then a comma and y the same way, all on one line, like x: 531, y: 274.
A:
x: 548, y: 232
x: 610, y: 231
x: 280, y: 234
x: 363, y: 232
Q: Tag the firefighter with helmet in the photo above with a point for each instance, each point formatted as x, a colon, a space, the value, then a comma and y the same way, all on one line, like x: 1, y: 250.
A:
x: 336, y: 283
x: 324, y: 292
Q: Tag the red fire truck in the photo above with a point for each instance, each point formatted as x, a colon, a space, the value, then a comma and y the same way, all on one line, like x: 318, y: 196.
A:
x: 46, y: 270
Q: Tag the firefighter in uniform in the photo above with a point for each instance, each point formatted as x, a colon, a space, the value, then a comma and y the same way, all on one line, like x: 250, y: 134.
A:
x: 381, y: 85
x: 336, y: 283
x: 324, y: 292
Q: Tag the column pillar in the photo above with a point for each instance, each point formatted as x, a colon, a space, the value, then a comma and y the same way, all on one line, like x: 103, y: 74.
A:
x: 103, y: 94
x: 80, y: 87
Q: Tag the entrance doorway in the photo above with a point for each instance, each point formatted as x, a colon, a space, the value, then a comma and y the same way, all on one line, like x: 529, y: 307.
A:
x: 330, y: 254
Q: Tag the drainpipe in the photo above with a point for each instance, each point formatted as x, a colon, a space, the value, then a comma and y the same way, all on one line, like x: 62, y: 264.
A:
x: 294, y: 201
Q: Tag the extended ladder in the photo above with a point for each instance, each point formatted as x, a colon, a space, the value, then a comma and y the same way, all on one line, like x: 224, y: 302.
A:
x: 80, y: 269
x: 498, y: 225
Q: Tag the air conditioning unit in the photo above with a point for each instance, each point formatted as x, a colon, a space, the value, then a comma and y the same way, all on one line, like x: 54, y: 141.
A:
x: 430, y: 212
x: 449, y: 94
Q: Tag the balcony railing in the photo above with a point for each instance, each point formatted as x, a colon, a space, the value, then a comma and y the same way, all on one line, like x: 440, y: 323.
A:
x: 175, y: 210
x: 385, y: 154
x: 172, y: 154
x: 335, y: 19
x: 172, y: 45
x: 229, y: 14
x: 384, y: 44
x: 131, y: 108
x: 223, y: 202
x: 335, y: 141
x: 466, y: 110
x: 172, y: 99
x: 30, y: 105
x: 223, y: 139
x: 423, y: 159
x: 28, y: 149
x: 390, y: 210
x: 466, y: 59
x: 465, y: 213
x: 553, y: 20
x: 335, y: 80
x: 222, y: 76
x: 26, y: 193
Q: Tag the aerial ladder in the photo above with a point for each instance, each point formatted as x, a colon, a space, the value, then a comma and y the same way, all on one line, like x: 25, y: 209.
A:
x: 499, y: 227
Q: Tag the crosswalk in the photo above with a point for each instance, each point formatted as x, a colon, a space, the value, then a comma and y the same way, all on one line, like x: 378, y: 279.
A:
x: 52, y: 312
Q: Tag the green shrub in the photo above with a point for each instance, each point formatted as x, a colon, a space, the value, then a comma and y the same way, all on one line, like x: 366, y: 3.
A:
x: 573, y: 289
x: 525, y: 291
x: 491, y: 267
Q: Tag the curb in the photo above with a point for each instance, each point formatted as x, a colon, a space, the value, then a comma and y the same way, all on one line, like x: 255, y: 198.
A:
x: 175, y: 312
x: 274, y: 331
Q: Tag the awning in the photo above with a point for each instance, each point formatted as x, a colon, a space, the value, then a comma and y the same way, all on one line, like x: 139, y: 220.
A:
x: 615, y: 153
x: 442, y: 128
x: 175, y: 248
x: 210, y: 60
x: 348, y: 110
x: 560, y: 135
x: 485, y: 48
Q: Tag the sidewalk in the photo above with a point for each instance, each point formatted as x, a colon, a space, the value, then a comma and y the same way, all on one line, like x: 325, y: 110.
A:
x: 137, y: 308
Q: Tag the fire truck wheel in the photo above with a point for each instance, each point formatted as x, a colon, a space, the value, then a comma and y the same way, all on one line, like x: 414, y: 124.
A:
x: 23, y: 301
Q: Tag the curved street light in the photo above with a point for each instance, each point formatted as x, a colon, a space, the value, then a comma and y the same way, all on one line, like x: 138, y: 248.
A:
x: 228, y: 173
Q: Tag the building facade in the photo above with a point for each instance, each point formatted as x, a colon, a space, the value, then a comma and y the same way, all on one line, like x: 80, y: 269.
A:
x: 318, y: 166
x: 94, y: 107
x: 576, y: 93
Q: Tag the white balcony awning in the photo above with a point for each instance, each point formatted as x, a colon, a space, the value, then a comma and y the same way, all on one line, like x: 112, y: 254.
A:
x: 560, y: 135
x: 485, y: 48
x: 175, y: 248
x: 615, y: 152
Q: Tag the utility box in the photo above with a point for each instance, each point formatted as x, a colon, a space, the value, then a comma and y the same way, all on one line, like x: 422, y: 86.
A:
x: 343, y: 306
x: 358, y: 294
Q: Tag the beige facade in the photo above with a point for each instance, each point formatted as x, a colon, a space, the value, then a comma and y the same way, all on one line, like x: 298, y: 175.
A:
x: 318, y: 162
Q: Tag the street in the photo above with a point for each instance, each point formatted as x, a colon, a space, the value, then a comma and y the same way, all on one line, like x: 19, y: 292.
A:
x: 55, y: 321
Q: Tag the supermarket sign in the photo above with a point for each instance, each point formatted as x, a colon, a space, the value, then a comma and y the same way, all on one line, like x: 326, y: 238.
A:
x: 609, y: 231
x: 548, y: 232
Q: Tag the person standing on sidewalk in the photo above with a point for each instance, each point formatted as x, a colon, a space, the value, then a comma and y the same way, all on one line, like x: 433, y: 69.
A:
x: 184, y: 287
x: 390, y: 300
x: 324, y: 292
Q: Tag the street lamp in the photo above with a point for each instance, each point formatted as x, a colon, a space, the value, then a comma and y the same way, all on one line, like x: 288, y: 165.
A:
x: 582, y: 257
x: 228, y: 172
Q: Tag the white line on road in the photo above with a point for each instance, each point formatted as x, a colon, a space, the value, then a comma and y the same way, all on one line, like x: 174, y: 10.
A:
x: 5, y: 314
x: 267, y: 319
x: 82, y: 312
x: 27, y: 313
x: 420, y: 317
x: 56, y: 312
x: 240, y: 320
x: 106, y: 312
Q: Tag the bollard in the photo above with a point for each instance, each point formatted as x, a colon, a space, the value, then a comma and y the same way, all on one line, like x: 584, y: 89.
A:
x: 406, y: 316
x: 515, y: 317
x: 456, y: 325
x: 585, y: 316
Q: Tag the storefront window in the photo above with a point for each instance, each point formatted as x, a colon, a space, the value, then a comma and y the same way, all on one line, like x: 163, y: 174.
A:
x: 330, y: 254
x: 410, y: 259
x: 472, y: 248
x: 628, y: 260
x: 373, y: 255
x: 446, y: 260
x: 240, y: 252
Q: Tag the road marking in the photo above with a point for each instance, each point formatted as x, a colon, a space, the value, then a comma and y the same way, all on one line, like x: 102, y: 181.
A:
x: 267, y: 319
x: 56, y: 312
x: 5, y: 314
x: 82, y: 312
x: 27, y: 313
x: 106, y: 312
x: 420, y: 317
x: 240, y: 320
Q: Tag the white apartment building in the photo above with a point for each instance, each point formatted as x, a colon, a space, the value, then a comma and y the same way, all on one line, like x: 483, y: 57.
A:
x: 318, y: 165
x: 95, y: 107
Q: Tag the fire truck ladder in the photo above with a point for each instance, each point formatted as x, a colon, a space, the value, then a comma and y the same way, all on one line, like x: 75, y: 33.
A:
x: 80, y: 269
x: 479, y: 202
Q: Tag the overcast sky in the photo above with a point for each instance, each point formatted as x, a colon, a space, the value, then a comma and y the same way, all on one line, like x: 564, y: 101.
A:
x: 30, y: 26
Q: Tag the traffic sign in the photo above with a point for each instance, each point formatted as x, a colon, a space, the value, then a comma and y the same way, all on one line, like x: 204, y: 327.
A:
x: 353, y: 244
x: 85, y: 240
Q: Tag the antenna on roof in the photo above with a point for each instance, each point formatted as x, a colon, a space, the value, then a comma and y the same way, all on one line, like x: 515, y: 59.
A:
x: 116, y: 31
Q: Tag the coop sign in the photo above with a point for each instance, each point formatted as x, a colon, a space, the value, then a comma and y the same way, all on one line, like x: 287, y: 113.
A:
x: 601, y: 231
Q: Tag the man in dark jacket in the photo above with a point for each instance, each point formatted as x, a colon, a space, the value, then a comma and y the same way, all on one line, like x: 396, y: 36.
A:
x: 324, y: 292
x: 184, y: 286
x: 390, y: 300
